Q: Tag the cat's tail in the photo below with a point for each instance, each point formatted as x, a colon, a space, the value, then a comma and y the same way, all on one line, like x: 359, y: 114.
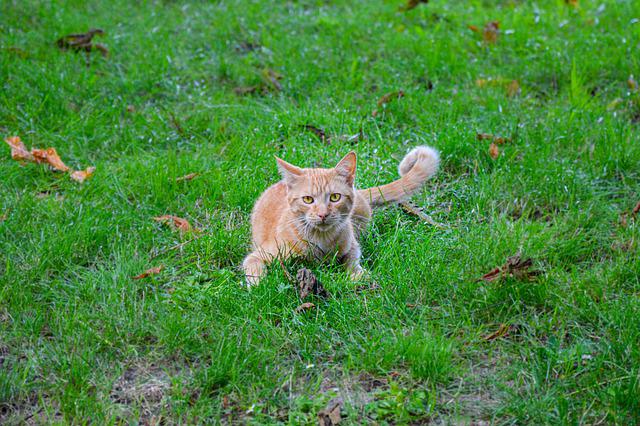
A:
x: 415, y: 168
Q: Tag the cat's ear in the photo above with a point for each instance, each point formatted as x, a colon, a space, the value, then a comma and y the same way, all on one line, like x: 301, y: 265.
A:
x: 347, y: 167
x: 288, y: 171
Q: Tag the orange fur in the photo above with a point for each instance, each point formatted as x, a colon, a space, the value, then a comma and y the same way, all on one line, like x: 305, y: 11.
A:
x: 319, y: 214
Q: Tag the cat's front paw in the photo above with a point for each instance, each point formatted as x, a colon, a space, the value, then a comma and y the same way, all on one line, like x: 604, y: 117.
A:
x: 357, y: 273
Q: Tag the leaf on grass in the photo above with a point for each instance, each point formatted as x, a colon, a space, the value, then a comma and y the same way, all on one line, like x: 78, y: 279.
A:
x: 82, y: 42
x: 497, y: 139
x: 494, y: 151
x: 304, y: 307
x: 473, y: 28
x: 4, y: 216
x: 572, y: 3
x: 316, y: 131
x: 502, y: 331
x: 412, y: 4
x: 188, y: 177
x: 632, y: 83
x: 49, y: 156
x: 636, y: 209
x: 331, y: 414
x: 385, y: 99
x: 19, y: 152
x: 491, y: 31
x: 176, y: 222
x: 513, y: 88
x: 514, y: 267
x: 414, y: 210
x: 148, y: 272
x: 309, y: 284
x: 82, y: 175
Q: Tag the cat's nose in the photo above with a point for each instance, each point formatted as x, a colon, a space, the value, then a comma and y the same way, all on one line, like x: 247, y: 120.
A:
x: 322, y: 216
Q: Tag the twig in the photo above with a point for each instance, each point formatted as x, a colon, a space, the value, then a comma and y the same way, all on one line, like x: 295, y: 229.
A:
x: 411, y: 209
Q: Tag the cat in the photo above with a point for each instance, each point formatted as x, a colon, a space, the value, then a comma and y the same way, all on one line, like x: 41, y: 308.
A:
x: 318, y: 213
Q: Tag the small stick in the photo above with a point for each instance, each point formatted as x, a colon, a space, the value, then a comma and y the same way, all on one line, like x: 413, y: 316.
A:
x: 411, y: 209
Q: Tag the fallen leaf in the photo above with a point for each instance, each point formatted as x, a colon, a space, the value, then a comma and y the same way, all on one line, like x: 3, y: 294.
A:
x: 572, y: 3
x: 513, y: 89
x: 636, y: 209
x: 309, y: 284
x: 497, y: 139
x: 502, y: 331
x: 18, y: 150
x: 49, y: 156
x: 632, y: 83
x: 491, y: 31
x: 414, y: 210
x: 83, y: 42
x: 473, y: 28
x: 82, y: 175
x: 317, y: 131
x: 514, y: 267
x: 412, y: 4
x: 304, y: 307
x: 148, y: 272
x: 4, y: 216
x: 331, y: 414
x: 188, y: 177
x: 385, y: 99
x: 176, y: 222
x: 494, y: 152
x: 131, y: 108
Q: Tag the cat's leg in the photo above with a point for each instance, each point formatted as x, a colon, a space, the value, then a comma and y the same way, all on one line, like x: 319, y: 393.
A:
x: 254, y: 267
x: 352, y: 261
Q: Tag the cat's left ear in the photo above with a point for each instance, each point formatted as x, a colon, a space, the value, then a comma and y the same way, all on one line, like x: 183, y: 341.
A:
x: 347, y: 167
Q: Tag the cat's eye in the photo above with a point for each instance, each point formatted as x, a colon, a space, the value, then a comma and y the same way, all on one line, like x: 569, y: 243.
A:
x: 307, y: 199
x: 335, y: 197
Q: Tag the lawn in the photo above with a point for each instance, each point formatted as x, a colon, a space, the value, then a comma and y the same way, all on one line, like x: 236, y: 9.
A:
x: 219, y: 88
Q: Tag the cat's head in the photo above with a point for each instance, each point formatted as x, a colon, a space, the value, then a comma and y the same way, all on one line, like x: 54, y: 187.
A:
x: 321, y: 199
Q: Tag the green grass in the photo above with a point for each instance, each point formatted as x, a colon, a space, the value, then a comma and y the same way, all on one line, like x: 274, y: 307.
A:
x: 81, y: 341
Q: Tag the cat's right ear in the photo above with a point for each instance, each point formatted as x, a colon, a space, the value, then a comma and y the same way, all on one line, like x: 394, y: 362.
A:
x: 288, y: 171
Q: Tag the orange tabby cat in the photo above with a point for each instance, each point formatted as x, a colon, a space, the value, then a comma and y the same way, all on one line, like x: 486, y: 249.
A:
x: 318, y: 212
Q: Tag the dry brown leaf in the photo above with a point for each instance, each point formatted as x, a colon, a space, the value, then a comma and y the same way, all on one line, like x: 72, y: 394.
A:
x: 502, y: 331
x: 513, y: 89
x: 636, y: 209
x: 19, y: 152
x: 572, y: 3
x: 317, y: 131
x: 514, y: 267
x: 623, y: 220
x: 473, y: 28
x: 148, y: 272
x: 385, y: 99
x: 331, y: 414
x: 188, y: 177
x: 82, y: 43
x: 82, y: 175
x: 632, y: 83
x: 131, y: 108
x: 176, y: 222
x: 412, y: 4
x: 309, y: 284
x: 497, y: 139
x: 491, y: 31
x: 49, y: 156
x: 304, y: 307
x: 494, y: 151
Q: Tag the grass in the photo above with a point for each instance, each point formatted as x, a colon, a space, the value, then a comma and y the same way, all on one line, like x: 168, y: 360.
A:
x: 81, y: 341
